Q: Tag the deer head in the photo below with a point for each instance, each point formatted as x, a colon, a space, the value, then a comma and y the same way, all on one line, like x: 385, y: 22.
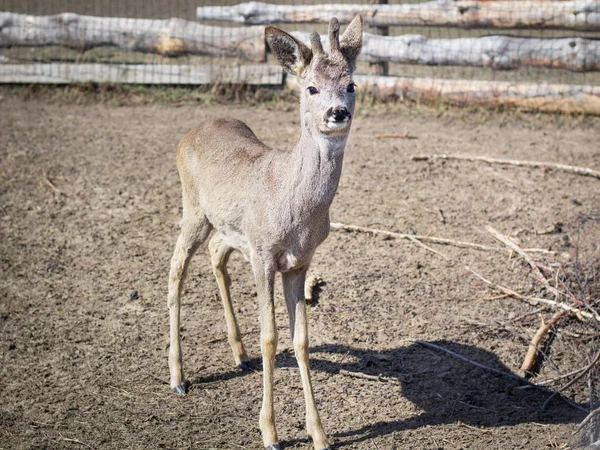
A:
x: 327, y: 94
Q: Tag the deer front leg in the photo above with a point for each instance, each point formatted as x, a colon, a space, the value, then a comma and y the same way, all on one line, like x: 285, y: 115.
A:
x: 219, y: 255
x: 264, y: 277
x: 293, y: 289
x: 193, y: 233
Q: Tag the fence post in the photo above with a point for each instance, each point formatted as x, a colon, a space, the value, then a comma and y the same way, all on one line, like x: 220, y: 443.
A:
x: 379, y: 68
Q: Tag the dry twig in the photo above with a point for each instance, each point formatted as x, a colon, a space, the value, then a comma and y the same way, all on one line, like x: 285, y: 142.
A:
x: 544, y: 328
x: 49, y: 183
x: 560, y: 377
x: 530, y: 313
x: 496, y: 297
x: 567, y: 168
x: 364, y: 376
x: 589, y: 417
x: 467, y: 360
x: 431, y: 239
x: 510, y: 244
x: 76, y: 441
x: 404, y: 135
x: 428, y: 248
x: 217, y: 338
x: 535, y: 300
x: 577, y: 378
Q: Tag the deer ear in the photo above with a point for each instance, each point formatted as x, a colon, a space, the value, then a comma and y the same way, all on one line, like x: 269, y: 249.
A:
x: 292, y: 54
x: 351, y: 40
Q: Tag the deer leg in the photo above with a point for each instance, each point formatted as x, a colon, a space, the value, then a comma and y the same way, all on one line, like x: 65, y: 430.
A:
x: 293, y: 289
x: 194, y: 231
x: 264, y: 277
x: 219, y: 255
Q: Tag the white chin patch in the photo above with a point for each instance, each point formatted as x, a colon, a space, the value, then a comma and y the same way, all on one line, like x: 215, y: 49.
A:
x: 337, y: 125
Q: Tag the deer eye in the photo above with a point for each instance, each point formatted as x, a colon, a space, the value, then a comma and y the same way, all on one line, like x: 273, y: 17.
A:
x: 350, y: 87
x: 312, y: 90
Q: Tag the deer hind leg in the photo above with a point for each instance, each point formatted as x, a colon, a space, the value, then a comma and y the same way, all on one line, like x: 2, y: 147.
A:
x: 293, y: 289
x: 194, y: 231
x: 219, y: 255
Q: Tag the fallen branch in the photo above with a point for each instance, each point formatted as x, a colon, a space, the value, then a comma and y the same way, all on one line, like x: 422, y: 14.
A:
x: 497, y: 297
x: 467, y: 360
x: 76, y: 441
x: 544, y: 328
x: 522, y: 316
x: 217, y: 338
x: 395, y: 136
x: 428, y: 248
x: 49, y: 183
x: 434, y: 240
x: 536, y: 271
x: 556, y: 228
x: 577, y: 378
x: 364, y: 376
x: 560, y: 377
x: 535, y: 300
x: 595, y: 412
x: 567, y: 168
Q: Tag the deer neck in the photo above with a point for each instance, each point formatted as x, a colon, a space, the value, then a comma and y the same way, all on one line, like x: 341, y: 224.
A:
x: 317, y: 166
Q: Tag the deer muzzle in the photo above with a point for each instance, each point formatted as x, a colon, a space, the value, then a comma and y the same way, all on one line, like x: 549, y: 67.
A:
x: 338, y: 117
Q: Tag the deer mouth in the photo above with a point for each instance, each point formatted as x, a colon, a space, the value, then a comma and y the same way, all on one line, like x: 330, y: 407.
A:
x: 334, y: 124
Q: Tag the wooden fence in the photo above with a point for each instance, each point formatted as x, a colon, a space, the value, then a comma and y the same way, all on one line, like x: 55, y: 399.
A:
x: 561, y: 14
x: 174, y: 37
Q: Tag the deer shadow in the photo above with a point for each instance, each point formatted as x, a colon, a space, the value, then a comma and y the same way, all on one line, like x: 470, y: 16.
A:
x: 446, y: 389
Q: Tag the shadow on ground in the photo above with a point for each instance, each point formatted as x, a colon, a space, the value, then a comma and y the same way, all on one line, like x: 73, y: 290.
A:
x: 445, y: 388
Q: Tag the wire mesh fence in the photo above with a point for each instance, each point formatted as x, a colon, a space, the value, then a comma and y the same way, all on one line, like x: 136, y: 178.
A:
x: 498, y: 51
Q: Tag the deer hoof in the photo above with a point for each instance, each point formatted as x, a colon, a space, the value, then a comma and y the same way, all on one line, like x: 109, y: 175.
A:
x: 245, y: 366
x: 181, y: 389
x: 273, y: 447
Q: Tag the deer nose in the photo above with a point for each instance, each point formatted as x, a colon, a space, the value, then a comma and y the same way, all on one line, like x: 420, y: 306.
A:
x: 339, y: 113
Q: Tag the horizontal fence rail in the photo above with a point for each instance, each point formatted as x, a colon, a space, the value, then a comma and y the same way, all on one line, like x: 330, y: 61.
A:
x: 527, y: 96
x: 573, y: 15
x: 498, y: 52
x: 178, y: 36
x: 167, y: 37
x: 59, y: 73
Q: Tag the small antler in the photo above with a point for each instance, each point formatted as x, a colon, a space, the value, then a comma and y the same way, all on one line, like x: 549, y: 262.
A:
x: 334, y: 35
x: 315, y: 43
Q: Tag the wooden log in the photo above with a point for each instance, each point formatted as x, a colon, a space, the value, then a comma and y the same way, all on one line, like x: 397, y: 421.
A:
x: 570, y: 14
x: 498, y: 52
x: 59, y: 73
x: 168, y: 37
x: 562, y: 98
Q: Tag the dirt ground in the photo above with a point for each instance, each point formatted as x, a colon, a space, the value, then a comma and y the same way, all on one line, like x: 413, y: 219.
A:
x: 89, y: 212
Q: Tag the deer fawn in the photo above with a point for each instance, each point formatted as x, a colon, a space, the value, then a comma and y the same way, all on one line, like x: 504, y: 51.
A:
x: 272, y: 205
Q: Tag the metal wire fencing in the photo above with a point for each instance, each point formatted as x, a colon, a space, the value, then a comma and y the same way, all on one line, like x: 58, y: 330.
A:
x: 530, y: 53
